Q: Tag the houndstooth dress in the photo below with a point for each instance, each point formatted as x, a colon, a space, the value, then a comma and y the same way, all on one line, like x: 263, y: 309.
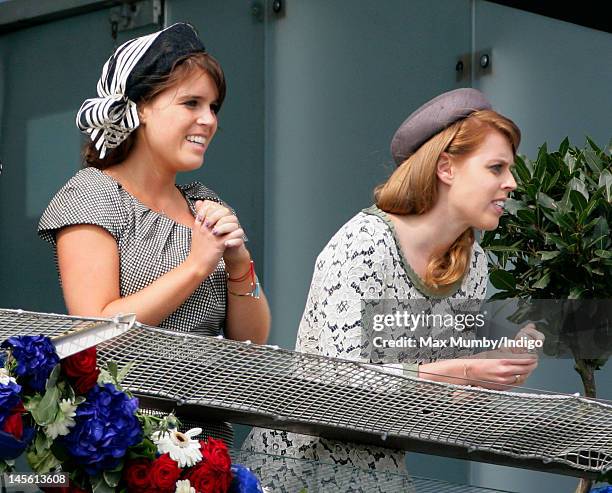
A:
x: 149, y: 244
x: 363, y: 260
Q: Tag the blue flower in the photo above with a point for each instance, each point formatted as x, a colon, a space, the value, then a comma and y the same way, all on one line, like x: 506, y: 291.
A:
x: 105, y: 427
x: 10, y: 447
x: 36, y: 358
x: 9, y: 397
x: 244, y: 480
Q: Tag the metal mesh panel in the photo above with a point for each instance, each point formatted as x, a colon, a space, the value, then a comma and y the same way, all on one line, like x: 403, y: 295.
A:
x: 214, y: 430
x: 347, y: 400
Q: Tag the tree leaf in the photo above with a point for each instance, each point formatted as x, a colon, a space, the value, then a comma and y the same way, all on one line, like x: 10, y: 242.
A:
x: 609, y: 151
x: 503, y: 280
x: 605, y: 181
x: 522, y: 172
x: 512, y: 206
x: 545, y: 201
x: 603, y: 253
x: 551, y: 182
x: 570, y: 161
x: 578, y: 201
x: 556, y: 240
x: 543, y: 281
x: 564, y: 221
x: 593, y: 145
x: 579, y: 186
x: 593, y: 161
x: 503, y: 248
x: 576, y: 293
x: 563, y: 147
x: 592, y: 205
x: 526, y: 215
x: 541, y: 165
x: 549, y: 255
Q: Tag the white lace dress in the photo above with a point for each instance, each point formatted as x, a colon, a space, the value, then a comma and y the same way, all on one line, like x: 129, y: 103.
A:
x: 363, y: 260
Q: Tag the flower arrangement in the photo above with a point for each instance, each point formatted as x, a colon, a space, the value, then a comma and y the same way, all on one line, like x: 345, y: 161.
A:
x: 72, y: 416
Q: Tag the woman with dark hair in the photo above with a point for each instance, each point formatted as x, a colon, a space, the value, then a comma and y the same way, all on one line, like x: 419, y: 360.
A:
x: 127, y: 238
x: 416, y: 243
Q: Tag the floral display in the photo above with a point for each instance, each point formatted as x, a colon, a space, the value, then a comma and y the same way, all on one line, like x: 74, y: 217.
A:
x: 73, y: 417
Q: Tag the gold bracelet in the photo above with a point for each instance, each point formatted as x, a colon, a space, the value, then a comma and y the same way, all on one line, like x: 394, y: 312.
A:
x: 254, y: 293
x: 465, y: 373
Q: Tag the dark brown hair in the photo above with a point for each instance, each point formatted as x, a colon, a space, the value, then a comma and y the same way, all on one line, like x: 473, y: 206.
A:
x: 182, y: 68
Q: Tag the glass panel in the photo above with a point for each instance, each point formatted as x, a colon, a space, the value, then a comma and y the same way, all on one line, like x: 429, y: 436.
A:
x: 48, y: 70
x: 545, y: 75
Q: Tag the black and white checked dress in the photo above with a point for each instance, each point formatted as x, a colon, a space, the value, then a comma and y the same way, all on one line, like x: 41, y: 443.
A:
x: 150, y: 244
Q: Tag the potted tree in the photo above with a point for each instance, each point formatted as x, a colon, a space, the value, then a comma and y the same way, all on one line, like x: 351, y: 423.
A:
x: 554, y: 243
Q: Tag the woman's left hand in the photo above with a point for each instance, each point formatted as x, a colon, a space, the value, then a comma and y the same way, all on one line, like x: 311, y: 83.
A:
x: 222, y: 221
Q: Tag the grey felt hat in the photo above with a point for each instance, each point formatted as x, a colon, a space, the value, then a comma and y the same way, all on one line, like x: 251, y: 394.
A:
x: 433, y: 117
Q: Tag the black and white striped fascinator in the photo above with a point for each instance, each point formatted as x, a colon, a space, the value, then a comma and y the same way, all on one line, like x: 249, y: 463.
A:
x: 130, y: 73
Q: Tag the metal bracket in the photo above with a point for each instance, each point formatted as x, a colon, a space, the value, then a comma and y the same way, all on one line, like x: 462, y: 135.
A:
x: 483, y: 62
x: 132, y: 15
x: 463, y: 69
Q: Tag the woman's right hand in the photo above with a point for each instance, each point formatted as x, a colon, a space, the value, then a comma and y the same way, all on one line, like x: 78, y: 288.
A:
x: 206, y: 248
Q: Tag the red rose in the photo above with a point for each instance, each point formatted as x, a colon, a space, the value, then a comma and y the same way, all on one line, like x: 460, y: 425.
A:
x: 81, y: 369
x: 136, y: 475
x: 216, y: 454
x: 13, y: 423
x: 212, y: 474
x: 80, y: 364
x: 164, y: 474
x: 84, y: 384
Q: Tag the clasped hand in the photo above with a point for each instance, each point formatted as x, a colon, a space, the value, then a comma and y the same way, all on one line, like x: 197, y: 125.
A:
x: 216, y: 234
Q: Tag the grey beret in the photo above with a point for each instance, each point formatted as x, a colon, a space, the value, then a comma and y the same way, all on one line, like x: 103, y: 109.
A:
x: 433, y: 117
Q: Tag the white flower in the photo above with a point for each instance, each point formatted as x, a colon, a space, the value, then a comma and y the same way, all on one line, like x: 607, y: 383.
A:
x: 64, y: 420
x: 180, y: 446
x: 184, y: 486
x: 5, y: 378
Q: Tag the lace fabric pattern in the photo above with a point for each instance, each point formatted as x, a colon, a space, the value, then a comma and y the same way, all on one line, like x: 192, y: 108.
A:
x: 362, y: 261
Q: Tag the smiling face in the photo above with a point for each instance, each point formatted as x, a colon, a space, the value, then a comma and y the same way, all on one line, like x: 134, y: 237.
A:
x: 481, y: 182
x: 178, y: 124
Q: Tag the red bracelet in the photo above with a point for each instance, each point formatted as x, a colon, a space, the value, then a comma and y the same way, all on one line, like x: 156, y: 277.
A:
x: 250, y: 272
x: 254, y: 293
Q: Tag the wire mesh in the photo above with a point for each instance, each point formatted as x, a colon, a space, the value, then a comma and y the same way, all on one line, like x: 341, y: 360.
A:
x: 297, y: 392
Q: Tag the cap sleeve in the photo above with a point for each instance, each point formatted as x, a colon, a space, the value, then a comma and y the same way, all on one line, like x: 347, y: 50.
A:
x: 90, y: 197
